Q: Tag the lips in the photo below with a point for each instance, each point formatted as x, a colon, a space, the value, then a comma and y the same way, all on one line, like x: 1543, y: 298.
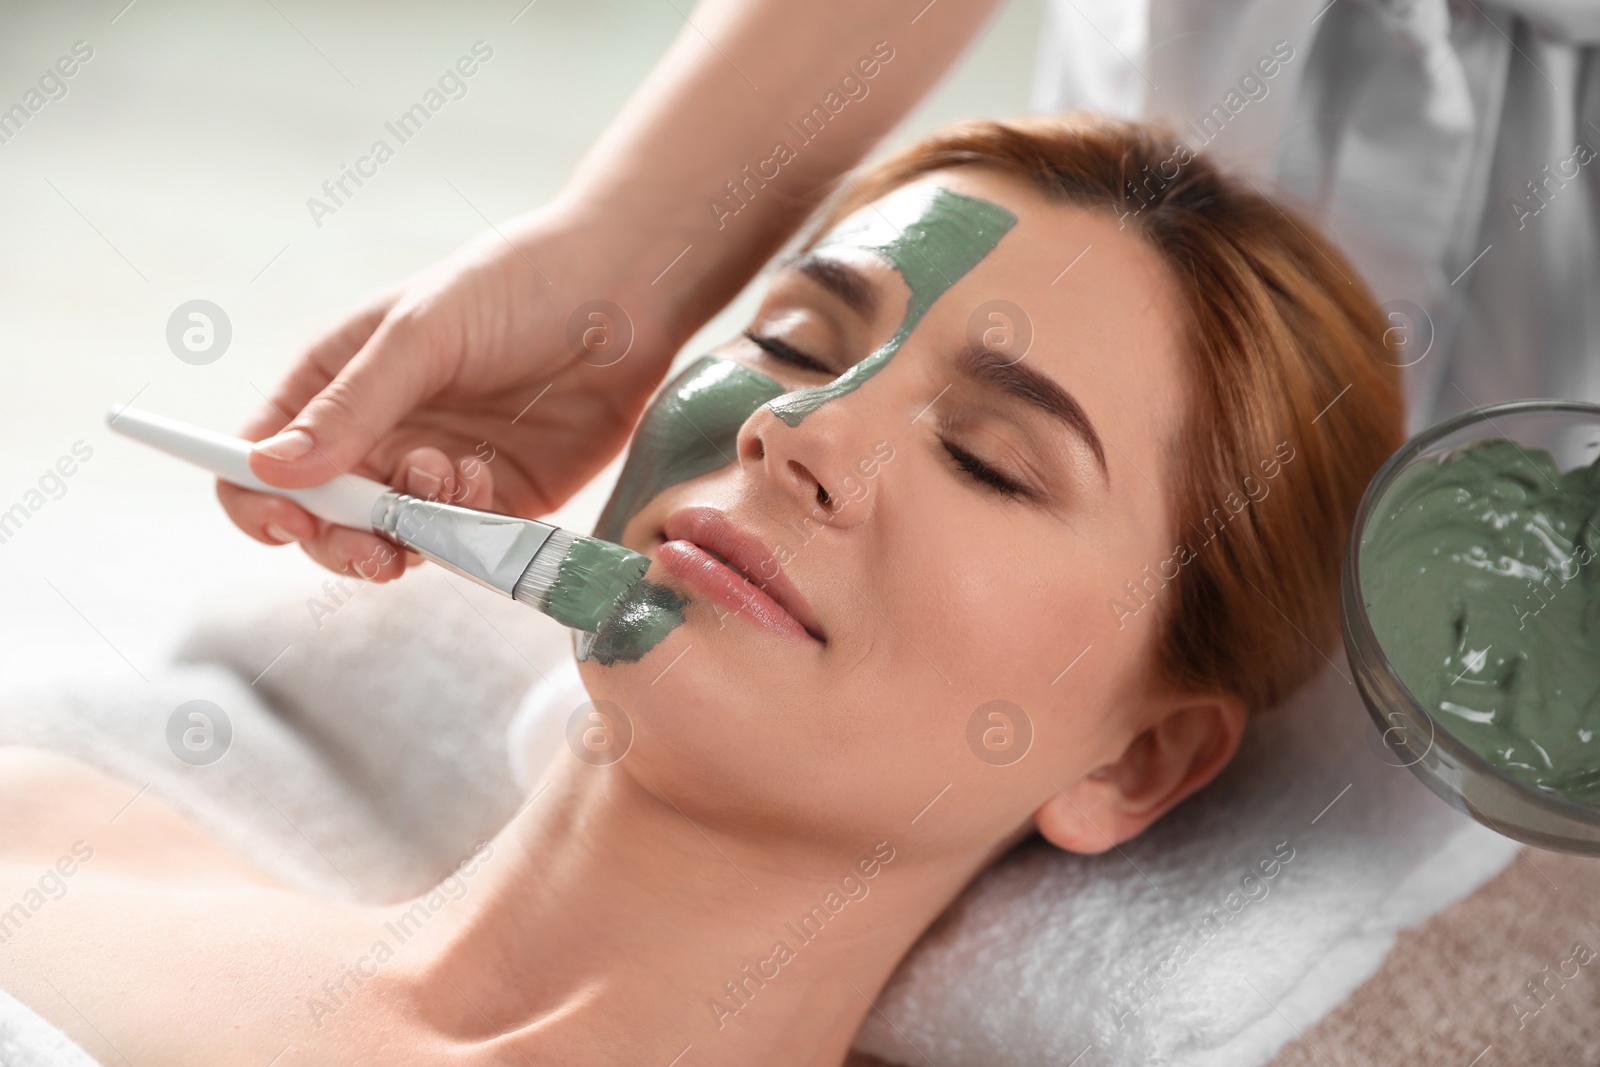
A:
x: 708, y: 551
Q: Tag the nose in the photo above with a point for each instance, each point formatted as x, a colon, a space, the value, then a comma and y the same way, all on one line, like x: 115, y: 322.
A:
x: 819, y: 467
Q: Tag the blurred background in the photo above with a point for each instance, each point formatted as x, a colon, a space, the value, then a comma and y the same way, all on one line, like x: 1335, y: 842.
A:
x: 177, y: 166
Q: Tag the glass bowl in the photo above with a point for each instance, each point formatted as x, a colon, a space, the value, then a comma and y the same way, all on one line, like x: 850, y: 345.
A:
x: 1412, y: 737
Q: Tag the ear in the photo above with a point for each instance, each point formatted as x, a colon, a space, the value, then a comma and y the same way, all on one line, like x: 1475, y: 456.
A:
x: 1193, y: 739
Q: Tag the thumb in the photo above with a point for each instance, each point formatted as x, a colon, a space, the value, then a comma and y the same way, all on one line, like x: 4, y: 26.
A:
x: 395, y: 371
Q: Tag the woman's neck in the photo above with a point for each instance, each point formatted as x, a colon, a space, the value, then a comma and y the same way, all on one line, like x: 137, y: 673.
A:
x: 609, y: 920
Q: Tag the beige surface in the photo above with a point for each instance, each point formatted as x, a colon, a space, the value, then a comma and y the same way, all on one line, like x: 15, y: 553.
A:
x: 1454, y: 993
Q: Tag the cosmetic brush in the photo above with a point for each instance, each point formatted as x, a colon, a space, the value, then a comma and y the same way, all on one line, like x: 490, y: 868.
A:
x: 580, y: 582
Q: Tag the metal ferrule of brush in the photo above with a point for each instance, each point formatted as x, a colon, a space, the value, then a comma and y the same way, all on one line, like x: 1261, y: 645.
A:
x: 491, y: 549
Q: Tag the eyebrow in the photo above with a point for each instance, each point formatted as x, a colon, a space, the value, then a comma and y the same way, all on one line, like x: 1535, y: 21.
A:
x: 983, y: 365
x: 995, y: 369
x: 840, y: 279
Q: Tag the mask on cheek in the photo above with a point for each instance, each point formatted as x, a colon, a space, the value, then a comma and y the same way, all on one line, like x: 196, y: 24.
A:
x: 691, y: 429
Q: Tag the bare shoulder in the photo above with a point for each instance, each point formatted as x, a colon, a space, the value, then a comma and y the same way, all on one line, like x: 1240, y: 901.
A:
x: 53, y: 804
x: 25, y: 763
x: 46, y: 794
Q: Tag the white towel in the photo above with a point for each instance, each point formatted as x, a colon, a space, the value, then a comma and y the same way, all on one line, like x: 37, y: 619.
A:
x: 28, y: 1041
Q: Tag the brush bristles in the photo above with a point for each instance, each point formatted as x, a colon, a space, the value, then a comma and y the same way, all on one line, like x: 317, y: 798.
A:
x: 545, y: 570
x: 580, y: 581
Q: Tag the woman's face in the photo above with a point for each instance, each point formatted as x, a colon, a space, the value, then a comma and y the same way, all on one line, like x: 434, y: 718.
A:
x: 941, y: 530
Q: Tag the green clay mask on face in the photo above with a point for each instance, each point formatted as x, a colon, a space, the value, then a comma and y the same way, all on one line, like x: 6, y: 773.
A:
x: 691, y: 429
x: 650, y: 612
x: 933, y: 238
x: 1480, y: 578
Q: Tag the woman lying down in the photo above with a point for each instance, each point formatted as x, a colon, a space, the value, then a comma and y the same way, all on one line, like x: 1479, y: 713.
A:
x: 1040, y: 458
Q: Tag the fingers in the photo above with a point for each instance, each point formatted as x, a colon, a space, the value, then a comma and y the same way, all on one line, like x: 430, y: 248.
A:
x: 396, y: 369
x: 478, y: 481
x: 356, y: 553
x: 315, y: 368
x: 272, y: 520
x: 428, y: 473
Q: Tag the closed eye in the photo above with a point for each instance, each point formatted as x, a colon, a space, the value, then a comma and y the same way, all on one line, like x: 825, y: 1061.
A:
x: 984, y: 474
x: 787, y: 354
x: 970, y: 464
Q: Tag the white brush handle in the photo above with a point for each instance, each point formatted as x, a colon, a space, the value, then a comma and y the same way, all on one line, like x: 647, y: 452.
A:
x: 347, y: 500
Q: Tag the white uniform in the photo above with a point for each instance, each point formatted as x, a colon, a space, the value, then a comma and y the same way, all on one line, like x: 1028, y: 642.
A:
x: 1451, y: 147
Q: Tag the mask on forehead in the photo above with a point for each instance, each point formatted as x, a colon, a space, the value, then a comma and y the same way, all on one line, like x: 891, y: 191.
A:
x: 932, y: 237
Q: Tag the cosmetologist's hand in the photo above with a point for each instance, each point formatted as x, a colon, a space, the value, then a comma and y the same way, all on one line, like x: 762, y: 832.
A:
x: 472, y: 383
